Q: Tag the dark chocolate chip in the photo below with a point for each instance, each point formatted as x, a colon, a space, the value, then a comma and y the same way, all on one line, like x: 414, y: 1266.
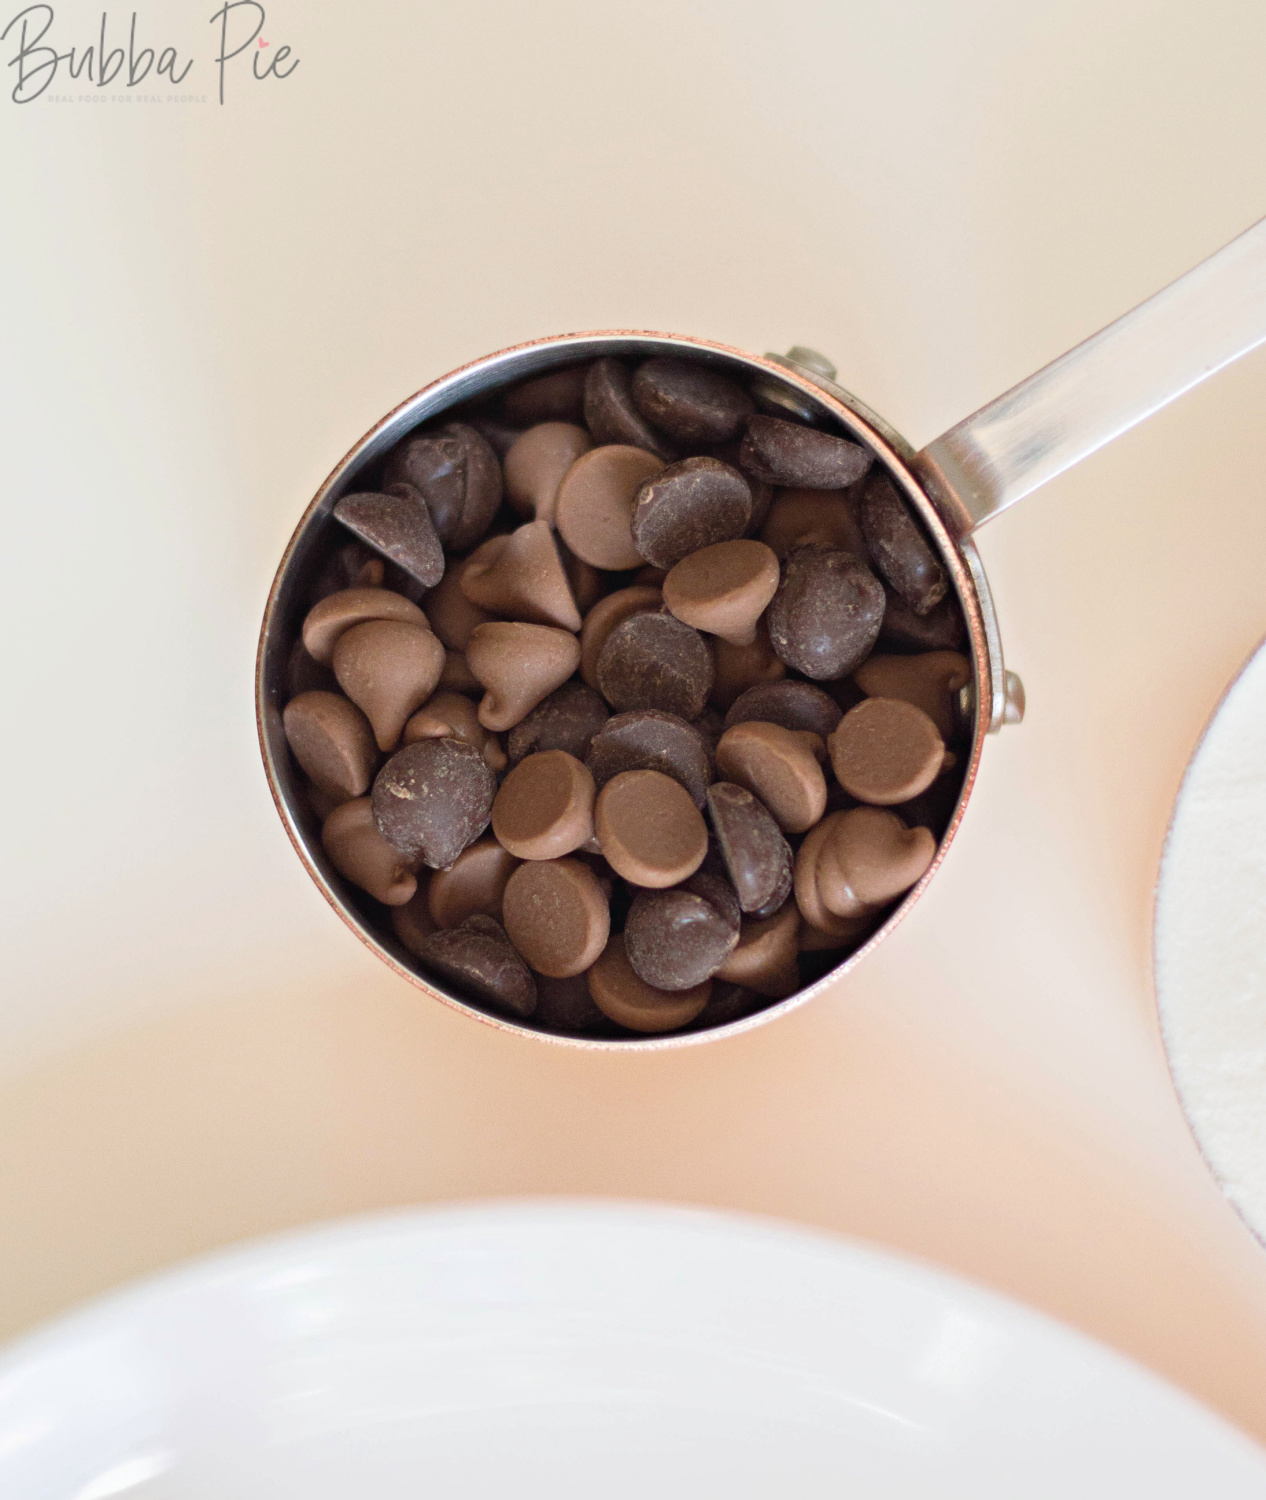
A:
x: 480, y: 960
x: 757, y: 857
x: 941, y: 629
x: 711, y: 728
x: 794, y: 705
x: 651, y: 740
x: 433, y: 798
x: 567, y: 720
x: 782, y: 453
x: 726, y: 1003
x: 654, y: 661
x: 826, y: 615
x: 690, y: 402
x: 689, y: 505
x: 677, y: 938
x: 397, y: 524
x: 899, y: 549
x: 566, y: 1004
x: 458, y: 475
x: 611, y: 415
x: 556, y: 397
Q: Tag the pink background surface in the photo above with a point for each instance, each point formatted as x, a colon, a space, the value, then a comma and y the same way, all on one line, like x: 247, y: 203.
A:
x: 207, y: 306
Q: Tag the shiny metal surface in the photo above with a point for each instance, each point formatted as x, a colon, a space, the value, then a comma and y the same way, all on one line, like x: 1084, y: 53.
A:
x: 1106, y: 385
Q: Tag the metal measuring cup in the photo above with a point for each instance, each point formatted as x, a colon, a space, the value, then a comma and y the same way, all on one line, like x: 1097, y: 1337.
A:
x: 1036, y: 430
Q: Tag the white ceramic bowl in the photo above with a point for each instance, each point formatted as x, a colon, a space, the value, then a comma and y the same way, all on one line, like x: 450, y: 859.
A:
x: 586, y: 1350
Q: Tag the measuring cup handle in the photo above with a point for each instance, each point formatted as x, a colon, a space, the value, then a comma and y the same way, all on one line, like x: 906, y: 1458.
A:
x: 1085, y: 398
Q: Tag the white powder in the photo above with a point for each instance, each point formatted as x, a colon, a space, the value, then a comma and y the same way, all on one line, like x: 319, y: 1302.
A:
x: 1211, y: 944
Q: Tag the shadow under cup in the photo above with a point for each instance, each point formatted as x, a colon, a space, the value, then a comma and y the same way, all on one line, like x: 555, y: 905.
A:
x: 780, y: 389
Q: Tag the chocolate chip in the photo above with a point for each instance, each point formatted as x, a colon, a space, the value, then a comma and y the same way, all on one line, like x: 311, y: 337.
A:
x: 593, y: 509
x: 941, y: 629
x: 780, y: 766
x: 690, y: 402
x: 611, y: 415
x: 397, y: 524
x: 605, y: 615
x: 828, y: 518
x: 333, y: 742
x: 676, y: 939
x: 724, y: 589
x: 519, y: 665
x: 689, y: 505
x: 794, y: 705
x: 625, y: 998
x: 304, y: 674
x: 765, y: 958
x: 556, y: 397
x: 757, y: 857
x: 360, y: 853
x: 327, y: 620
x: 931, y: 681
x: 649, y: 739
x: 500, y: 435
x: 536, y: 463
x: 728, y: 1002
x: 566, y: 1004
x: 567, y: 720
x: 557, y: 915
x: 458, y: 475
x: 886, y: 751
x: 654, y: 661
x: 738, y: 668
x: 901, y: 552
x: 433, y: 798
x: 544, y: 810
x: 784, y: 453
x: 649, y: 830
x: 825, y: 617
x: 479, y: 959
x: 342, y: 570
x: 388, y: 668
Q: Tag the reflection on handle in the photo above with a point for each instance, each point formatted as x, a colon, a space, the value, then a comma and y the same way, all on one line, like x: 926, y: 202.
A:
x: 1090, y: 395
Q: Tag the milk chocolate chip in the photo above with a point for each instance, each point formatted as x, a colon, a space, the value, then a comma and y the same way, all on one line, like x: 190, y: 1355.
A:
x: 457, y: 676
x: 794, y: 705
x: 518, y: 665
x: 480, y: 960
x: 757, y: 857
x: 780, y: 767
x: 557, y: 916
x: 930, y: 681
x: 358, y: 851
x: 689, y: 401
x: 536, y: 463
x: 473, y: 884
x: 433, y: 798
x: 459, y: 477
x: 676, y: 939
x: 654, y: 661
x: 650, y: 740
x: 630, y: 1002
x: 764, y: 959
x: 841, y: 927
x: 567, y: 720
x: 388, y: 668
x: 521, y: 576
x: 556, y: 397
x: 723, y: 589
x: 901, y: 553
x: 869, y: 857
x: 602, y: 619
x: 822, y: 518
x: 449, y: 715
x: 336, y: 613
x: 649, y: 830
x: 611, y: 415
x: 594, y: 507
x: 785, y: 453
x: 825, y: 617
x: 545, y: 807
x: 451, y: 614
x: 737, y: 668
x: 332, y: 741
x: 686, y: 506
x: 886, y: 751
x: 399, y: 526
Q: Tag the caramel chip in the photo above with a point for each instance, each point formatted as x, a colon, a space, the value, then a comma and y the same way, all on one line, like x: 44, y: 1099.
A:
x: 388, y: 668
x: 473, y: 884
x: 724, y: 589
x: 521, y: 577
x: 336, y: 613
x: 448, y: 715
x: 536, y: 463
x: 930, y: 681
x: 594, y: 508
x: 764, y: 958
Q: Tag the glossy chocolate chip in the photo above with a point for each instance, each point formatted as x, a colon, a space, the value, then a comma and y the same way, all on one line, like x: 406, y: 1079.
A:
x: 654, y: 661
x: 459, y: 477
x: 689, y: 505
x: 941, y: 629
x: 567, y: 720
x: 691, y: 403
x: 611, y: 415
x: 757, y: 857
x: 398, y: 524
x: 649, y: 739
x: 433, y: 798
x: 481, y: 961
x: 900, y: 550
x: 676, y: 939
x: 785, y: 453
x: 794, y: 705
x: 825, y: 617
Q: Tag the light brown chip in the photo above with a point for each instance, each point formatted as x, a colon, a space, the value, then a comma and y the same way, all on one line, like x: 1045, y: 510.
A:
x: 333, y: 742
x: 557, y: 916
x: 473, y: 885
x: 521, y: 577
x: 594, y: 508
x: 535, y: 465
x: 741, y: 667
x: 765, y: 959
x: 886, y: 751
x: 544, y: 808
x: 448, y: 715
x: 808, y: 893
x: 780, y: 767
x: 929, y: 681
x: 870, y: 857
x: 451, y: 614
x: 336, y: 613
x: 518, y: 665
x: 412, y: 922
x: 649, y: 829
x: 724, y: 589
x: 629, y: 1001
x: 358, y: 851
x: 389, y: 668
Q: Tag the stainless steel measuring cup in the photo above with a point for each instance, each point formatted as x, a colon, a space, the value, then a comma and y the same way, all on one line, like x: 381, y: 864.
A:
x: 1033, y: 432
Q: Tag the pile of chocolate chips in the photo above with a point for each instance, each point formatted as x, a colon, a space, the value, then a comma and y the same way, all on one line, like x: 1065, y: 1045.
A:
x: 631, y: 707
